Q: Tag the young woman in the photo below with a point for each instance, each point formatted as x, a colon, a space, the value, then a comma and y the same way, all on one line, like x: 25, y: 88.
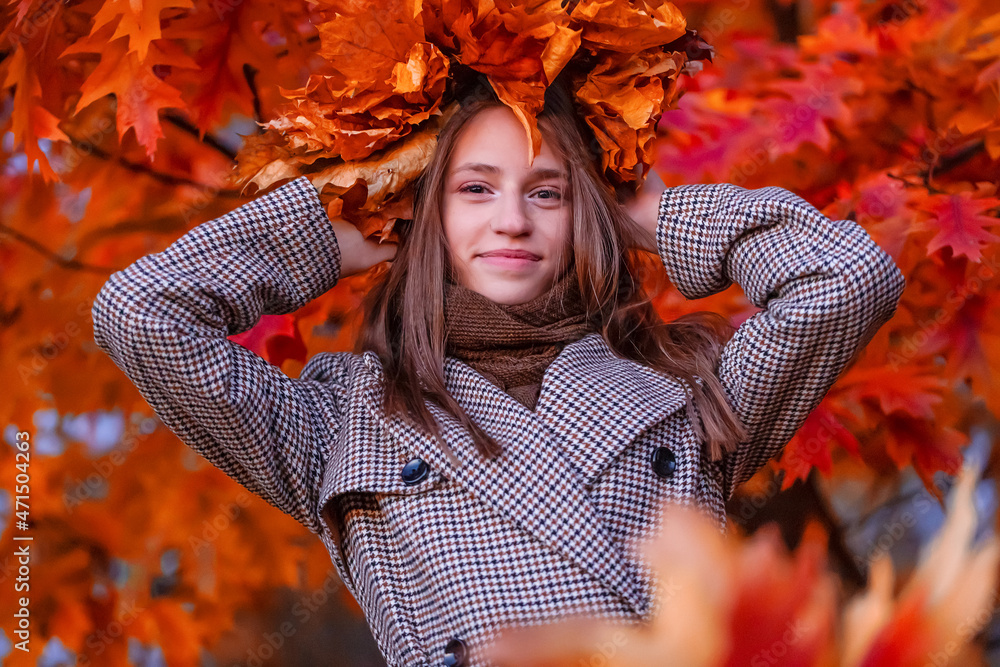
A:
x: 503, y: 438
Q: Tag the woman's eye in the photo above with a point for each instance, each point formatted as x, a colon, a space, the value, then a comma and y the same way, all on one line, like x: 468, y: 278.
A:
x: 475, y: 189
x: 549, y: 194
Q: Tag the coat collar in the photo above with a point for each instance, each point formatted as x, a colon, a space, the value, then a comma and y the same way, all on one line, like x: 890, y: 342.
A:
x: 596, y: 403
x: 592, y: 405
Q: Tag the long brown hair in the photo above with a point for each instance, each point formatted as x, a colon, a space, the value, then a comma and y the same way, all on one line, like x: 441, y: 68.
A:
x: 404, y: 319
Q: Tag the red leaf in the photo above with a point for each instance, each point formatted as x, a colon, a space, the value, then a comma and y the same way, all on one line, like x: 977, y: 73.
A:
x: 960, y: 224
x: 915, y: 441
x: 276, y: 338
x: 812, y: 445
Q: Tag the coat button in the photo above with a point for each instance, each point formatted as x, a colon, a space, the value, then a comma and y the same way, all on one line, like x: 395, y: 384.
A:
x: 415, y: 471
x: 664, y: 462
x: 454, y: 653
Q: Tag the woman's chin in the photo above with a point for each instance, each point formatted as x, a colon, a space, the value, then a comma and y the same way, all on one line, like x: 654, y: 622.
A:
x: 508, y: 293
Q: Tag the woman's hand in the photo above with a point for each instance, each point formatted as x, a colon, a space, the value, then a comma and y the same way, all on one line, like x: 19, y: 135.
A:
x: 358, y: 254
x: 644, y: 209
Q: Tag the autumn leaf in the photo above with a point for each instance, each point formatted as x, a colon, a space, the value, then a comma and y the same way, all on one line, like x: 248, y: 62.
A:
x: 385, y: 175
x: 910, y: 441
x: 800, y: 110
x: 910, y: 389
x: 629, y: 26
x: 959, y: 223
x: 139, y: 22
x: 811, y: 447
x: 30, y: 120
x: 953, y: 585
x: 874, y: 113
x: 631, y: 95
x: 275, y: 338
x: 139, y: 92
x: 238, y: 69
x: 381, y: 83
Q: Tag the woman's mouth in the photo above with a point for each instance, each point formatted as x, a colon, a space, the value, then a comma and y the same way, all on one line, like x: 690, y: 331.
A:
x: 510, y: 259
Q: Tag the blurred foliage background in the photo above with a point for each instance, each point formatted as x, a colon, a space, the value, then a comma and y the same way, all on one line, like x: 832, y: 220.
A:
x: 120, y: 125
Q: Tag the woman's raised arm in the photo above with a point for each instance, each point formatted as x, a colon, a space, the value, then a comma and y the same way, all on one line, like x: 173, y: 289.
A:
x: 165, y: 319
x: 825, y: 288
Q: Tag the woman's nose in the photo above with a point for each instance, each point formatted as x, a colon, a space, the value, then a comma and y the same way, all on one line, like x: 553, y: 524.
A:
x: 511, y: 216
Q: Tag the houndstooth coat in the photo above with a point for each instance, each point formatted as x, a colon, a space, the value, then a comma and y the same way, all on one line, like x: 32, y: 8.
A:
x: 441, y: 556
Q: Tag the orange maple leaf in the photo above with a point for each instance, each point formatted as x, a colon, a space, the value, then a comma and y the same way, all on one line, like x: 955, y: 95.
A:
x: 139, y: 92
x: 232, y: 40
x: 626, y: 96
x: 30, y: 120
x: 629, y: 26
x: 140, y: 22
x: 383, y: 79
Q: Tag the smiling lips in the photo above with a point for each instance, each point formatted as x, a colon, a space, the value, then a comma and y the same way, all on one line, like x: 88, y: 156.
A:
x: 511, y: 259
x: 512, y: 254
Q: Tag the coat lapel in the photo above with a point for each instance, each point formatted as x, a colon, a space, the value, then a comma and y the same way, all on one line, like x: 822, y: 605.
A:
x: 592, y: 404
x: 596, y: 403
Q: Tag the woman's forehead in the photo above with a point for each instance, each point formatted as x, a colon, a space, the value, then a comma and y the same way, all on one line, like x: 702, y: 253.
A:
x: 537, y: 171
x: 495, y: 141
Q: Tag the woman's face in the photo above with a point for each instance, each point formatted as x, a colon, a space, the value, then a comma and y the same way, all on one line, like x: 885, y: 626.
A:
x: 505, y: 221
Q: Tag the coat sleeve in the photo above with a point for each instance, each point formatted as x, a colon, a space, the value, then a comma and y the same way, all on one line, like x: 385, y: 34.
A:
x: 824, y: 287
x: 164, y: 320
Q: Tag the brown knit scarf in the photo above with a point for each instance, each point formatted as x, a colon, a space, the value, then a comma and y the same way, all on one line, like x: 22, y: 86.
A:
x: 511, y: 346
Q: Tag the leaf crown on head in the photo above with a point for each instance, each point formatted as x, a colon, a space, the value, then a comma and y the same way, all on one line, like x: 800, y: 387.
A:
x: 364, y: 125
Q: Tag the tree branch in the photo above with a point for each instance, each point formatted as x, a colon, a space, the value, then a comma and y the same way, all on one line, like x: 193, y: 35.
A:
x: 838, y: 542
x: 250, y: 74
x: 209, y: 140
x: 72, y: 264
x: 786, y: 20
x: 168, y: 179
x: 951, y: 160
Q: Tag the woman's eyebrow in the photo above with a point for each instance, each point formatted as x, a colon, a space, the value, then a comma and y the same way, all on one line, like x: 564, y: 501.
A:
x: 478, y: 166
x: 543, y: 173
x: 537, y: 173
